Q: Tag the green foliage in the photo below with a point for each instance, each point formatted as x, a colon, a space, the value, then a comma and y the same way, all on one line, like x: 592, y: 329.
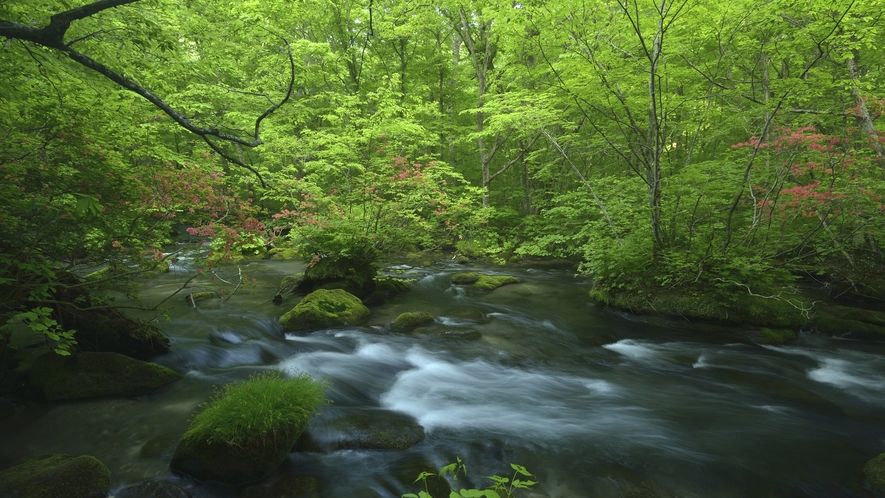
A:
x: 37, y: 324
x: 256, y: 408
x: 501, y: 486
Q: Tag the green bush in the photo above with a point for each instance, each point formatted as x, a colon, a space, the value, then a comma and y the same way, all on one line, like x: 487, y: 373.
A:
x: 258, y: 407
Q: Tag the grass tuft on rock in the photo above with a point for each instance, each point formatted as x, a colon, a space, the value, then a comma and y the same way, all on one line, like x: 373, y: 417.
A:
x: 264, y: 404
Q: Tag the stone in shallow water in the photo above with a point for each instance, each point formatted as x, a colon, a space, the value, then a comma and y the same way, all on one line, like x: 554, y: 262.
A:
x: 151, y: 489
x: 364, y: 430
x: 324, y: 308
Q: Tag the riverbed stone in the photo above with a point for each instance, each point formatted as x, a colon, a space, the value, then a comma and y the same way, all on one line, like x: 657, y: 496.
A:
x: 94, y: 375
x: 325, y: 308
x: 451, y: 333
x: 364, y: 430
x: 465, y: 278
x: 874, y: 471
x: 199, y: 296
x: 56, y: 476
x: 153, y: 488
x: 412, y: 319
x: 483, y: 281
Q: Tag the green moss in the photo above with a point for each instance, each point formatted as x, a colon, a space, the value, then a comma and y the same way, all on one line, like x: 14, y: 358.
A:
x: 56, y: 476
x: 248, y: 428
x: 748, y: 310
x: 290, y: 282
x: 412, y: 319
x: 325, y: 308
x: 777, y: 336
x: 834, y: 325
x: 283, y: 254
x: 466, y: 278
x: 492, y: 282
x: 874, y: 470
x: 93, y: 375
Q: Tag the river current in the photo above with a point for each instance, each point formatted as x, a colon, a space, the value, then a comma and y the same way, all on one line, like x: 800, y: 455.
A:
x: 595, y: 404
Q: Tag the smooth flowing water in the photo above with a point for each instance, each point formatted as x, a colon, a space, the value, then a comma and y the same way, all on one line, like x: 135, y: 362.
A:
x: 593, y: 403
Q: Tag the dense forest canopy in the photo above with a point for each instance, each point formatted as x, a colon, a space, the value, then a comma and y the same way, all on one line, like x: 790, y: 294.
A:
x: 712, y: 147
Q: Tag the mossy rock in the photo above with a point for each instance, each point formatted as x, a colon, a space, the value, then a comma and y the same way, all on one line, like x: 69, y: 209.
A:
x: 325, y: 308
x: 151, y: 489
x: 288, y: 487
x: 93, y: 375
x: 56, y: 476
x: 412, y: 319
x: 386, y: 288
x: 233, y: 464
x: 874, y: 471
x: 199, y: 296
x: 492, y: 282
x: 466, y: 278
x: 777, y: 336
x: 468, y: 314
x: 283, y: 254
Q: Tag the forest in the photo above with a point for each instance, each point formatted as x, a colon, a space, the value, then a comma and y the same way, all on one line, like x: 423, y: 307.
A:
x: 715, y: 161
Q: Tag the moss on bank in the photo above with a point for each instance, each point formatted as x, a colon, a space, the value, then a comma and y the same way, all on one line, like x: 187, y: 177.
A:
x: 741, y: 309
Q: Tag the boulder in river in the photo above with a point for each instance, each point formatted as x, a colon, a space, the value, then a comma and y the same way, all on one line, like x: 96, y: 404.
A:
x: 364, y: 430
x: 483, y: 281
x: 874, y: 471
x: 324, y: 308
x: 56, y: 476
x: 412, y: 319
x: 247, y: 430
x: 153, y: 488
x: 94, y: 375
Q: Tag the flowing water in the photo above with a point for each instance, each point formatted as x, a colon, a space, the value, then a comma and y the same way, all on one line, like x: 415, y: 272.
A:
x: 591, y: 402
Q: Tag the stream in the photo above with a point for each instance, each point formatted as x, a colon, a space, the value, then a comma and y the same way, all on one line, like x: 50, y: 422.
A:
x: 595, y: 404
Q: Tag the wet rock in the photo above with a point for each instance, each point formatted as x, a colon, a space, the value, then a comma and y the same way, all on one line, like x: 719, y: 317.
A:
x: 874, y: 472
x: 325, y: 308
x: 151, y: 489
x: 283, y: 254
x: 412, y: 319
x: 288, y: 487
x: 291, y: 283
x: 386, y: 288
x: 855, y: 322
x: 95, y: 375
x: 56, y: 476
x: 475, y: 315
x: 776, y: 336
x: 466, y: 278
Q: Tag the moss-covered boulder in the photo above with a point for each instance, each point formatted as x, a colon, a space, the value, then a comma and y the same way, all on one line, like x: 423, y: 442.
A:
x: 325, y: 308
x: 483, y: 281
x: 283, y: 254
x: 386, y: 288
x: 492, y: 282
x: 245, y: 432
x: 56, y: 476
x: 290, y: 283
x: 412, y: 319
x: 466, y: 278
x: 874, y: 472
x: 94, y: 375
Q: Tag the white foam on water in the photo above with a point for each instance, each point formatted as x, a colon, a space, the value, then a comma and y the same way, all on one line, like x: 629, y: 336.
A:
x: 701, y: 362
x: 632, y: 349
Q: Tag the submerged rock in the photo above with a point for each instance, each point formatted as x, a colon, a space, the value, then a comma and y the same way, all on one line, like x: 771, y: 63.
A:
x: 874, y: 471
x: 366, y: 430
x: 448, y: 333
x: 199, y: 296
x: 56, y: 476
x: 325, y: 308
x: 412, y: 319
x: 94, y: 375
x: 466, y: 278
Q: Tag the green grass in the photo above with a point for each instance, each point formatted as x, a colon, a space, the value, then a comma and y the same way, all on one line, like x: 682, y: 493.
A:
x: 264, y: 404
